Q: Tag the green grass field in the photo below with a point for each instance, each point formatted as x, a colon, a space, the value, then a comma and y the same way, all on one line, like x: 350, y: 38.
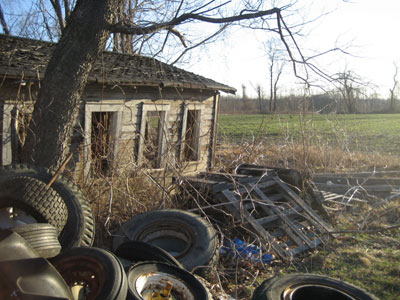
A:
x: 364, y: 132
x: 369, y: 260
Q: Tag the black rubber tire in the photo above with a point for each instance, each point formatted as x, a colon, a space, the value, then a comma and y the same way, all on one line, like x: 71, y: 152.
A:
x: 33, y: 197
x: 144, y: 269
x: 137, y: 251
x: 309, y: 287
x: 79, y: 229
x: 190, y: 238
x: 98, y: 268
x: 42, y: 237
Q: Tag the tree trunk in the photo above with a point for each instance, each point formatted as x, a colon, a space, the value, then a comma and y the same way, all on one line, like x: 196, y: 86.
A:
x: 56, y: 108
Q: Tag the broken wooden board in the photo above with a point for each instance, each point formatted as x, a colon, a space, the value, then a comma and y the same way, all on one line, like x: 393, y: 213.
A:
x: 277, y: 215
x: 364, y: 184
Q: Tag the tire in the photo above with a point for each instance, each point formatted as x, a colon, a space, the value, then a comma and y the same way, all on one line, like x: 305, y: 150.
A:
x: 147, y: 277
x: 97, y: 271
x: 79, y: 228
x: 42, y: 237
x: 31, y: 196
x: 186, y: 236
x: 309, y: 287
x: 137, y: 251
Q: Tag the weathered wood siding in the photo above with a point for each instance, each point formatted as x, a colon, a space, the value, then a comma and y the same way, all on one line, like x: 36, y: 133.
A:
x: 127, y: 102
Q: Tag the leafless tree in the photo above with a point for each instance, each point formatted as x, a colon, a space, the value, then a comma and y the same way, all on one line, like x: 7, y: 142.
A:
x: 260, y: 97
x: 392, y: 90
x: 275, y: 69
x: 350, y: 88
x: 244, y: 93
x: 85, y: 35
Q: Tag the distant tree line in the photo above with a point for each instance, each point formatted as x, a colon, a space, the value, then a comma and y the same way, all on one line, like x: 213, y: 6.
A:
x: 322, y: 103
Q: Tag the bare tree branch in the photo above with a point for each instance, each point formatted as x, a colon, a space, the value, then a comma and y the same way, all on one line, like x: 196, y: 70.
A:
x: 57, y: 8
x: 137, y: 30
x: 3, y: 22
x: 45, y: 21
x: 200, y: 43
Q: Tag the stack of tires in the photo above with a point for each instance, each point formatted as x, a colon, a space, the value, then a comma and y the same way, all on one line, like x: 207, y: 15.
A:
x: 167, y: 246
x: 25, y: 198
x: 155, y: 252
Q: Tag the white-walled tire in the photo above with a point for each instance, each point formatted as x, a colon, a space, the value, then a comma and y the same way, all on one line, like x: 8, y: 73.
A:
x: 42, y: 237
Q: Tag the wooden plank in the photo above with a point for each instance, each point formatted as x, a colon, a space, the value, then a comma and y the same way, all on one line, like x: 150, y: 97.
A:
x: 263, y: 233
x: 361, y: 174
x: 303, y: 248
x: 317, y: 221
x: 273, y: 218
x: 260, y: 202
x: 357, y: 180
x: 345, y: 188
x: 333, y: 196
x: 290, y: 229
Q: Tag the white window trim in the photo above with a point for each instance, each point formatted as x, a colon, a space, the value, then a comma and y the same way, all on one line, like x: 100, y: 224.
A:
x: 186, y: 108
x: 163, y: 134
x: 6, y: 142
x: 115, y: 129
x: 6, y: 152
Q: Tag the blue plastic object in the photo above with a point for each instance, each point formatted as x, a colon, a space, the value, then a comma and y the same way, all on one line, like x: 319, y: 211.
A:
x: 240, y: 249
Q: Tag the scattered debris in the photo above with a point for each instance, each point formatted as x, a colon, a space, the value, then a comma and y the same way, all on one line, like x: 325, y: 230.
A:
x: 262, y: 201
x: 362, y: 185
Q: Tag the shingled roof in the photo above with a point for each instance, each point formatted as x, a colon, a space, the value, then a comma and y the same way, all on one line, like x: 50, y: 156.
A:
x: 27, y: 57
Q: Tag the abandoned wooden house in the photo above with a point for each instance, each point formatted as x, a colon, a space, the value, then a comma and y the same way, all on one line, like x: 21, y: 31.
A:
x: 136, y: 112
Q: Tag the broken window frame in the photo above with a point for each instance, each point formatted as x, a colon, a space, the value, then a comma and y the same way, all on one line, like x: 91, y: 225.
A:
x: 162, y: 133
x: 115, y: 123
x: 197, y: 132
x: 10, y: 128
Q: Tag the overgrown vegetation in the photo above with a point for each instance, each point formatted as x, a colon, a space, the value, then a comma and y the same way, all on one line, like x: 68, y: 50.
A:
x: 364, y: 252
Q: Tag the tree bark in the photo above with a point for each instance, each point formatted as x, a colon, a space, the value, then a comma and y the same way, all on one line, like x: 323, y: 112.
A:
x: 56, y: 108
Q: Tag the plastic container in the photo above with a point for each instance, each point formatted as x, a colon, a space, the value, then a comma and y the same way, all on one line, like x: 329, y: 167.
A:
x: 253, y: 253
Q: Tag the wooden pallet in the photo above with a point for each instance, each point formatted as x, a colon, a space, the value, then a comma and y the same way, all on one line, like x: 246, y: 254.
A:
x: 271, y: 210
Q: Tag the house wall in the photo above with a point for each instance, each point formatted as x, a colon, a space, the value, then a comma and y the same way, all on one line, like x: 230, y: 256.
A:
x: 126, y: 104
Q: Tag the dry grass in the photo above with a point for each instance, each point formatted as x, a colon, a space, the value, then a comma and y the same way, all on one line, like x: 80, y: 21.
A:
x: 305, y: 157
x: 369, y: 260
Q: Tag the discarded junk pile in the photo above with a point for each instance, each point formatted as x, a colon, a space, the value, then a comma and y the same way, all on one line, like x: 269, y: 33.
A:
x: 47, y: 230
x: 46, y: 234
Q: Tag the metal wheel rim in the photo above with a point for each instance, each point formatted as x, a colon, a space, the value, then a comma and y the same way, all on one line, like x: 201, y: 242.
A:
x: 147, y: 283
x: 84, y: 272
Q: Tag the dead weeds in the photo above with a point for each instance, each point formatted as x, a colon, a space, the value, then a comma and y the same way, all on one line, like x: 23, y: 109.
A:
x: 367, y: 256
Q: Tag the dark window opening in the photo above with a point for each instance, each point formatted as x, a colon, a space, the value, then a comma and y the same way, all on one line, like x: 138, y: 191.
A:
x: 152, y: 139
x: 19, y: 128
x: 191, y: 144
x: 101, y: 142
